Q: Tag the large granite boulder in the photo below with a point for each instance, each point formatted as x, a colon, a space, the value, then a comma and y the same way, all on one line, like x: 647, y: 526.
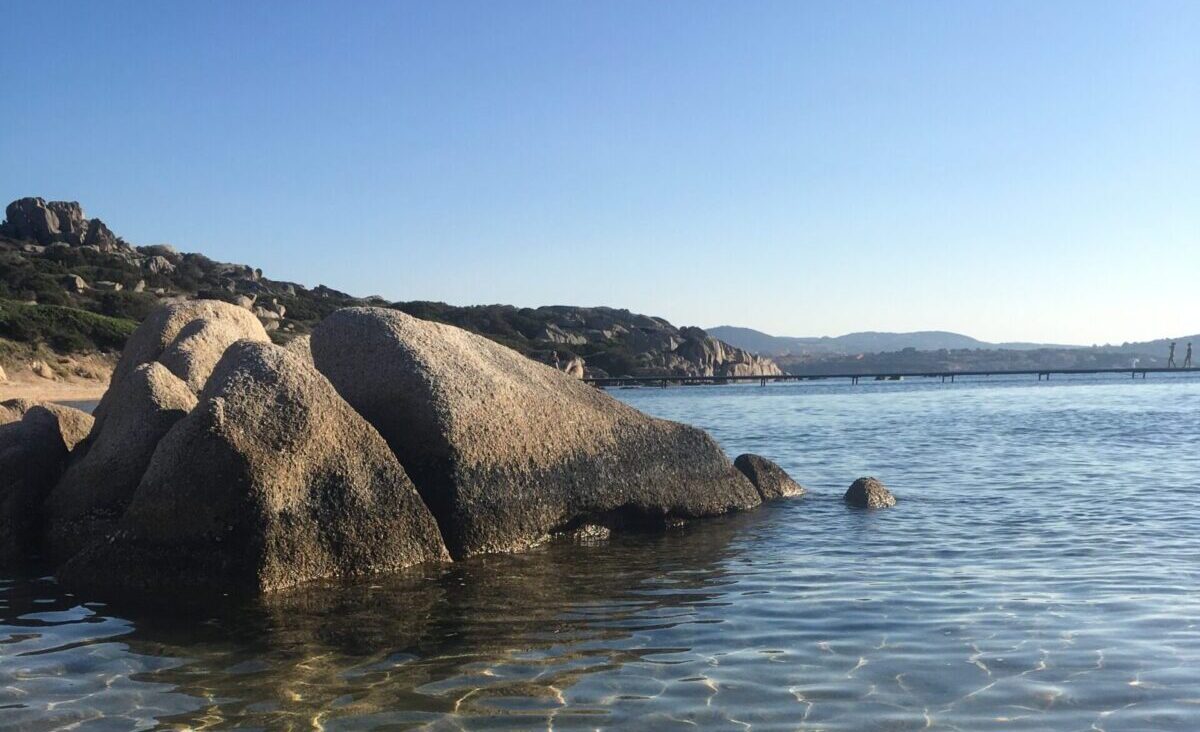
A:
x: 72, y: 224
x: 163, y: 326
x: 199, y: 346
x: 769, y: 479
x: 270, y: 481
x: 31, y: 219
x: 869, y: 493
x: 99, y: 482
x: 189, y: 337
x: 54, y: 221
x: 507, y: 451
x: 35, y: 439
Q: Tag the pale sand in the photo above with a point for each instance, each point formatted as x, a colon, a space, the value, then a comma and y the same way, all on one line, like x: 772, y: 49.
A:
x: 77, y: 377
x: 43, y: 390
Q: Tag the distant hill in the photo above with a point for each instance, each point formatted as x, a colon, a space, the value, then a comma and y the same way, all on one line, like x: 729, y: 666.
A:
x: 854, y: 343
x: 942, y: 351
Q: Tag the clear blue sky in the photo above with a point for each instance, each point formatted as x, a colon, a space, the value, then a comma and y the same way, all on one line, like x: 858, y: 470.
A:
x: 1011, y: 170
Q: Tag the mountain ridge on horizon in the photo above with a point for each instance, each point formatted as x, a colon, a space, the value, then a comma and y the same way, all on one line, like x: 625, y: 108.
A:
x: 766, y: 344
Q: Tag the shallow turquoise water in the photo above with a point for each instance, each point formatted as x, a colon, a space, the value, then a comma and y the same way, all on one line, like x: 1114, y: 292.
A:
x: 1041, y: 572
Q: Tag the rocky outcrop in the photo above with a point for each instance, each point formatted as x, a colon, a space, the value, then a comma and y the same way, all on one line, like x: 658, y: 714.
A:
x: 506, y: 451
x: 658, y: 347
x: 99, y: 482
x: 29, y: 218
x: 704, y: 355
x: 869, y: 493
x: 158, y: 265
x: 99, y: 236
x: 614, y: 342
x: 45, y: 222
x: 272, y: 480
x: 769, y: 479
x: 35, y: 440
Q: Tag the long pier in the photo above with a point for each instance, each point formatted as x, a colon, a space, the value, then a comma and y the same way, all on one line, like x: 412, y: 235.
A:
x: 1133, y: 371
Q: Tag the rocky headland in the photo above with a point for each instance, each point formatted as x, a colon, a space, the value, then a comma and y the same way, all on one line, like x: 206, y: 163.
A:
x: 220, y: 461
x: 71, y: 290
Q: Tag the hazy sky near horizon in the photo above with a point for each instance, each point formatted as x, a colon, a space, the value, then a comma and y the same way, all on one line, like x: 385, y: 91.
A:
x: 1010, y: 170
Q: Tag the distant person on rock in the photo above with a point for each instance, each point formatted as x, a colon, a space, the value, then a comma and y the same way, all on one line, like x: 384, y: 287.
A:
x: 1187, y: 357
x: 1171, y: 357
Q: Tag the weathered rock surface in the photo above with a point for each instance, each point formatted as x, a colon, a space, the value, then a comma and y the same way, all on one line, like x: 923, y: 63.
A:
x: 163, y: 326
x: 270, y: 481
x: 199, y: 346
x: 869, y: 493
x: 301, y: 345
x: 158, y: 264
x: 188, y: 337
x: 35, y: 439
x: 99, y: 482
x: 506, y: 451
x: 769, y: 479
x: 73, y: 424
x: 98, y: 235
x: 30, y: 218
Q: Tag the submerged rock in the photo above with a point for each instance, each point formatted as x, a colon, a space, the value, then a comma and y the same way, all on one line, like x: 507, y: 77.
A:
x: 770, y: 479
x: 270, y: 481
x: 869, y: 493
x: 98, y: 484
x: 35, y: 439
x: 506, y: 451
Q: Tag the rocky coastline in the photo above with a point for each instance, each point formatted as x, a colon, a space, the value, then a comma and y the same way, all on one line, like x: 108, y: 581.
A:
x: 218, y: 460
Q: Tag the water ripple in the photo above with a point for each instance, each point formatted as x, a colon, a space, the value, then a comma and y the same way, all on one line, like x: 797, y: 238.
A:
x: 1040, y: 572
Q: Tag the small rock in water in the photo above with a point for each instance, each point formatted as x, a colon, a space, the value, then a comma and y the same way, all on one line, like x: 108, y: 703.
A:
x: 869, y: 493
x: 769, y: 479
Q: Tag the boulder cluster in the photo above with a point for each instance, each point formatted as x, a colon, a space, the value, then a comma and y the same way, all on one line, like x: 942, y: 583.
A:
x: 57, y: 221
x: 220, y: 461
x: 659, y: 348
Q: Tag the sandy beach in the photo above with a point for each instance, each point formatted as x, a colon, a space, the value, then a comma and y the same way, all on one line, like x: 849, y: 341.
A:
x: 39, y: 389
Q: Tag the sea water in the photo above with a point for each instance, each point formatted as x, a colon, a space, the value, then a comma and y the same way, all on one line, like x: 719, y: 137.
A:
x: 1041, y: 571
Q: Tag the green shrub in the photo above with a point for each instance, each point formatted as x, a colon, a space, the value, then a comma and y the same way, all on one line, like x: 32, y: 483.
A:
x: 63, y: 329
